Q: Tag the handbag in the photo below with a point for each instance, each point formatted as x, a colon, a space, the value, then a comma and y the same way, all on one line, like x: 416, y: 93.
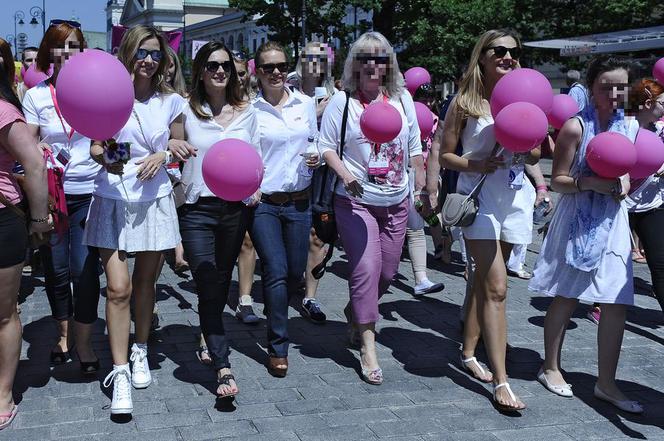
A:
x: 324, y: 183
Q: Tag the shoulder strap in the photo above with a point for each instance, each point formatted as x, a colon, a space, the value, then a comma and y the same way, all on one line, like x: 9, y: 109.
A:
x: 479, y: 185
x: 344, y: 121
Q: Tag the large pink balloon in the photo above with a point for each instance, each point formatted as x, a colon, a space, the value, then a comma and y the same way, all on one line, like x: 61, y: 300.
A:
x: 33, y: 76
x: 415, y: 77
x: 564, y: 107
x: 251, y: 64
x: 424, y: 119
x: 380, y: 122
x: 95, y: 94
x: 649, y: 154
x: 520, y: 127
x: 525, y: 85
x: 610, y: 155
x: 658, y: 71
x: 232, y: 169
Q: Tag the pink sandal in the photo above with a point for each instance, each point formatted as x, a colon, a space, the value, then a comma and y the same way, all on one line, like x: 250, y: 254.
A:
x: 11, y: 415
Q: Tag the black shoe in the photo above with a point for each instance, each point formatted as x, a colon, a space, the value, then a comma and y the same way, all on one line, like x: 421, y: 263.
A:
x: 88, y: 367
x: 59, y: 357
x: 311, y: 310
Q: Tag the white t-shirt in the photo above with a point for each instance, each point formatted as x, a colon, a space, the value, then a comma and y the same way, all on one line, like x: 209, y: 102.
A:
x: 283, y: 138
x: 81, y: 170
x: 357, y: 149
x: 155, y: 115
x: 202, y: 134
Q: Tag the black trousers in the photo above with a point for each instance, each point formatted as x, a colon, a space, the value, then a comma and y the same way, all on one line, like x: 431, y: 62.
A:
x: 648, y: 227
x: 212, y: 232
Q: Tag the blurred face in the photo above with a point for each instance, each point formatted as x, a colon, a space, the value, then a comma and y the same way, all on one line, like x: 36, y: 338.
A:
x: 70, y: 47
x: 314, y: 61
x: 272, y: 69
x: 500, y: 57
x: 217, y: 72
x: 610, y: 90
x: 373, y: 66
x: 242, y: 74
x: 654, y: 107
x: 29, y: 58
x: 147, y: 58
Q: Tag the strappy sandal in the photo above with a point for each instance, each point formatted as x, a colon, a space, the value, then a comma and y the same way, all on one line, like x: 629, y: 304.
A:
x: 473, y: 360
x: 10, y: 417
x: 202, y: 351
x: 372, y: 376
x: 225, y: 380
x: 505, y: 407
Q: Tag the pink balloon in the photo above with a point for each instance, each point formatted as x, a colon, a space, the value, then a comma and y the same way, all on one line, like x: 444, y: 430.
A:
x: 649, y: 154
x: 564, y: 107
x: 380, y: 122
x: 22, y: 70
x: 232, y: 169
x: 520, y: 127
x: 610, y: 155
x: 415, y: 77
x: 658, y: 71
x: 95, y: 94
x: 522, y: 85
x: 251, y: 64
x: 33, y: 76
x: 424, y: 119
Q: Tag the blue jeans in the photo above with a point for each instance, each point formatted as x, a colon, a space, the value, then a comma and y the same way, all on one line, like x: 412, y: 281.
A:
x: 280, y: 234
x: 212, y: 232
x: 68, y: 260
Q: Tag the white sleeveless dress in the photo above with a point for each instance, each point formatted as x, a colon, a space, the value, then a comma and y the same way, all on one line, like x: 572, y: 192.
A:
x: 504, y: 214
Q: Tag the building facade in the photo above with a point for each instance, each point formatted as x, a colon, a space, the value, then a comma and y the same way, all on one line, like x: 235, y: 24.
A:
x: 113, y: 13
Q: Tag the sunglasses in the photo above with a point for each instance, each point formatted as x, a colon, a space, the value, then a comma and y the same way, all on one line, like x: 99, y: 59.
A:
x: 72, y: 23
x: 319, y: 58
x: 270, y: 67
x: 376, y: 59
x: 213, y: 66
x: 501, y: 51
x: 239, y: 55
x: 142, y: 54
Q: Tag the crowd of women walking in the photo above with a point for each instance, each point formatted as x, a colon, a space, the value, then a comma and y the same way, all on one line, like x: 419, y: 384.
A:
x: 156, y: 199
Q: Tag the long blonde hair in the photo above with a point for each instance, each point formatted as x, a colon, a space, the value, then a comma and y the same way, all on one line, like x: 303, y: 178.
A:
x: 129, y: 45
x: 471, y: 90
x: 177, y: 81
x: 394, y: 82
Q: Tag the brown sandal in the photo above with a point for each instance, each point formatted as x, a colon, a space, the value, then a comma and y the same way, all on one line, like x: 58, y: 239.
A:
x: 274, y: 366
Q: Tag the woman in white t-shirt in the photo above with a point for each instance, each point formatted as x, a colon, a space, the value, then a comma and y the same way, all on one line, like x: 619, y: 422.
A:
x: 132, y: 208
x: 67, y: 262
x: 213, y: 229
x: 372, y: 205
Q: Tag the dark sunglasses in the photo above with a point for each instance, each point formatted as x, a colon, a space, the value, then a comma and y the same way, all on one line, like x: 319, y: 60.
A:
x: 501, y: 51
x: 270, y: 67
x: 239, y: 55
x: 72, y: 23
x: 213, y: 66
x: 376, y: 59
x: 319, y: 58
x: 142, y: 54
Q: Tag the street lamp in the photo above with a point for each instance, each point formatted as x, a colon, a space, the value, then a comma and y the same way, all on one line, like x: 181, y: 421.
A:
x: 18, y: 19
x: 35, y: 12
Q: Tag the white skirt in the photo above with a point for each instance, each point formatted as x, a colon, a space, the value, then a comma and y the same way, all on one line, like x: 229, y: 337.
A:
x: 132, y: 226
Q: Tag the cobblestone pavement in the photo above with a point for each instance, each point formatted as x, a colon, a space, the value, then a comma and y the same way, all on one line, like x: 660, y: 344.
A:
x: 425, y: 396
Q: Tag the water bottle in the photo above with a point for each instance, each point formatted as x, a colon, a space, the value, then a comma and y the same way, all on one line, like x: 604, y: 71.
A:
x: 311, y: 152
x: 432, y: 220
x: 540, y: 211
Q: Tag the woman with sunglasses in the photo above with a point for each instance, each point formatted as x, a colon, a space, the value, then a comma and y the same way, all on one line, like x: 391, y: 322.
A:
x: 586, y: 254
x: 67, y: 262
x: 132, y: 209
x: 372, y: 198
x: 213, y: 229
x: 505, y: 206
x: 282, y: 221
x: 646, y: 201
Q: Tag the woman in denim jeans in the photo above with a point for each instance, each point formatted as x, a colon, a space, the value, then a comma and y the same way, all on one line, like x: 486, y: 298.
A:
x: 67, y: 260
x: 212, y: 229
x: 282, y: 221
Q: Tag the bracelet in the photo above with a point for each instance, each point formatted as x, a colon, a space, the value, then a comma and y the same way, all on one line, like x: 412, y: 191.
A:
x: 41, y: 220
x: 542, y: 188
x: 421, y: 193
x: 169, y: 156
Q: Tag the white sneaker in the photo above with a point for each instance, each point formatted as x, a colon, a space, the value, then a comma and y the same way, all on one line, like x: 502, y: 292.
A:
x: 426, y: 286
x: 121, y: 378
x: 140, y: 370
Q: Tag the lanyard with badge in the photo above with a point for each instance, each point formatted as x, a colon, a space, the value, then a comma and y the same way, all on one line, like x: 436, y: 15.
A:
x: 64, y: 155
x: 379, y: 165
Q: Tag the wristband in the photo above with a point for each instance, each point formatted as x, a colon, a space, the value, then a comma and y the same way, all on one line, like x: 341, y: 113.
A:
x: 41, y: 220
x: 542, y: 188
x: 421, y: 193
x: 169, y: 156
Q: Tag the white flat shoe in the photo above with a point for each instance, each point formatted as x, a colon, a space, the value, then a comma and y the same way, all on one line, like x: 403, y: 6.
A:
x: 564, y: 390
x: 624, y: 405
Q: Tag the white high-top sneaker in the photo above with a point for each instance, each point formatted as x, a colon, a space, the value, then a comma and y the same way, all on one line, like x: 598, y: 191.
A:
x: 140, y: 370
x: 121, y: 379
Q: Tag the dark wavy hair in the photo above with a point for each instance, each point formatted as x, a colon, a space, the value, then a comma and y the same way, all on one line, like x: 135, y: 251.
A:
x: 605, y: 63
x: 198, y: 96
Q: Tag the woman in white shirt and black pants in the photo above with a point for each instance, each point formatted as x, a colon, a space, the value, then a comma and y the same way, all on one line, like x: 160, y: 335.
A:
x: 133, y: 210
x: 282, y: 221
x: 213, y: 229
